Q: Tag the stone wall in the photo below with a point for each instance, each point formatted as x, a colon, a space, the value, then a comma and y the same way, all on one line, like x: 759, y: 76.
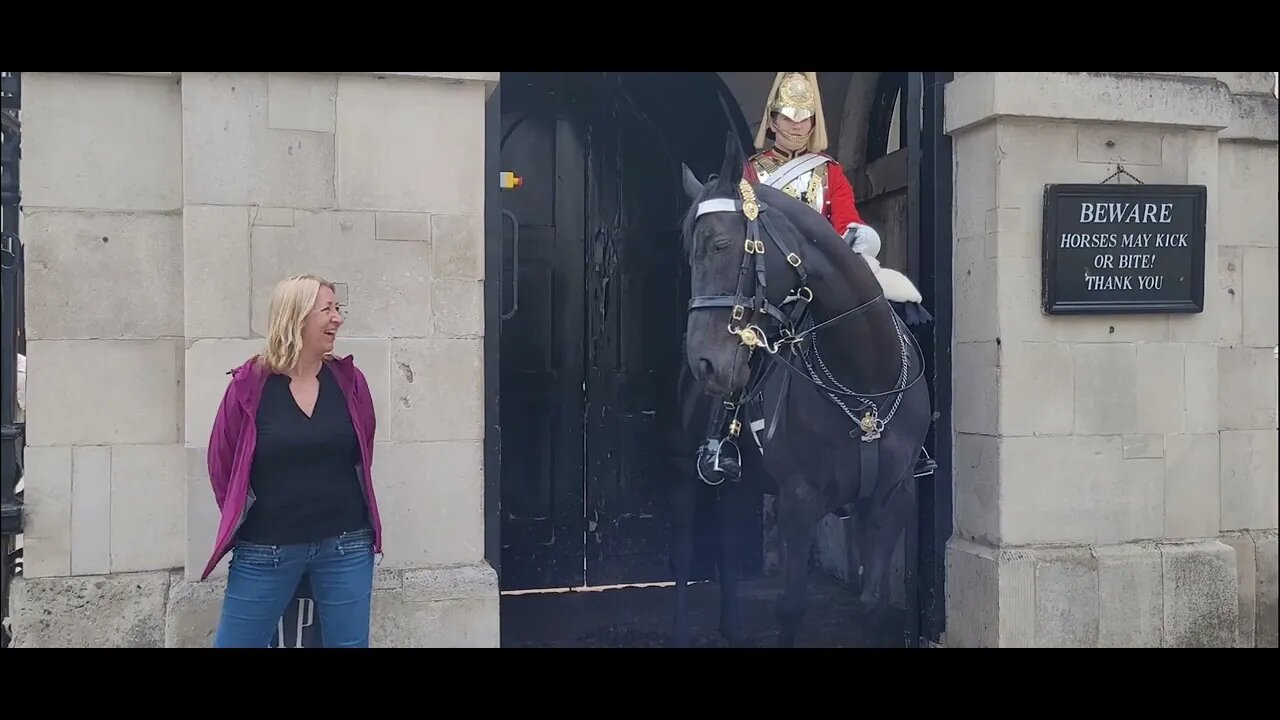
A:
x: 1115, y: 476
x: 160, y: 209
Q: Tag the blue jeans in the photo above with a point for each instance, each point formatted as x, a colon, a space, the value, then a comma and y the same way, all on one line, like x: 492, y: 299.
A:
x: 263, y: 579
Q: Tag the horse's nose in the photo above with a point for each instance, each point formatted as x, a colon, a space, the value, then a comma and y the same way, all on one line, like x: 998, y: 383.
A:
x: 706, y: 368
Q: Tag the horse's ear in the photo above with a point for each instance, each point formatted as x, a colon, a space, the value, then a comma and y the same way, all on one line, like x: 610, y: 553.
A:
x: 734, y: 159
x: 692, y: 187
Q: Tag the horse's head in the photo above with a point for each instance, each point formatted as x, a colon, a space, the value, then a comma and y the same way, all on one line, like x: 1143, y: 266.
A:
x: 739, y: 276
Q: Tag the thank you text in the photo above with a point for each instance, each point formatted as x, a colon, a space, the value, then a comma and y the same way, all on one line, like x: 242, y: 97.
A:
x: 1124, y: 248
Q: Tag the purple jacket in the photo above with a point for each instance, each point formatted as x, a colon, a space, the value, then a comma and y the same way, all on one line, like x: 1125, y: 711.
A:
x: 234, y: 437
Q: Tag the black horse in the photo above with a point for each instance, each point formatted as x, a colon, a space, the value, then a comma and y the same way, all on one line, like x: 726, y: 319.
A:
x: 799, y: 377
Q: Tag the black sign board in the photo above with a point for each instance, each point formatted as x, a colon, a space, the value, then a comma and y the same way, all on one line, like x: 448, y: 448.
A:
x: 1124, y: 249
x: 299, y: 627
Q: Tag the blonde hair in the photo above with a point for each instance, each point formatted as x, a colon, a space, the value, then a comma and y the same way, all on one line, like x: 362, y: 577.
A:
x: 291, y: 302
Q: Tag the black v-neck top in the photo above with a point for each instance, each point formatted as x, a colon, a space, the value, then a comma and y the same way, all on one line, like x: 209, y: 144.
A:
x: 305, y: 472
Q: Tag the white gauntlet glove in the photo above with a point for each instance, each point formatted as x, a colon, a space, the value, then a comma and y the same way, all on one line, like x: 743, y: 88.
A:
x: 863, y: 239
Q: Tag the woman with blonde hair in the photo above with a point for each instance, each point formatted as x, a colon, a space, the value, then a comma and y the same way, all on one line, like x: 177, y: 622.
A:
x: 290, y: 460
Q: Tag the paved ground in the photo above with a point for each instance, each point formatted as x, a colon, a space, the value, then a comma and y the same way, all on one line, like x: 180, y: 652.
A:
x: 641, y: 617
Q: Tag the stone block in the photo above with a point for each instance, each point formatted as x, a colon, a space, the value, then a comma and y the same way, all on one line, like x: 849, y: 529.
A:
x: 270, y: 217
x: 1161, y: 390
x: 192, y: 613
x: 977, y: 399
x: 458, y: 244
x: 1247, y: 584
x: 215, y: 255
x: 975, y: 160
x: 1249, y: 479
x: 414, y: 227
x: 46, y: 538
x: 1110, y: 97
x: 302, y: 101
x: 1252, y: 83
x: 148, y: 499
x: 443, y: 606
x: 74, y: 262
x: 437, y: 390
x: 101, y: 392
x: 389, y: 130
x: 1130, y: 503
x: 373, y: 357
x: 1246, y: 388
x: 1034, y: 397
x: 1032, y: 152
x: 1106, y: 382
x: 1254, y: 119
x: 202, y: 516
x: 207, y: 364
x: 431, y: 497
x: 231, y: 156
x: 109, y: 611
x: 1265, y: 567
x: 1131, y: 596
x: 1143, y: 446
x: 1129, y: 145
x: 1013, y: 244
x: 1261, y: 296
x: 977, y: 488
x: 388, y: 284
x: 973, y: 601
x: 458, y: 307
x: 1067, y: 607
x: 1192, y: 486
x: 1201, y: 600
x: 1251, y: 171
x: 1176, y: 149
x: 91, y: 510
x: 101, y: 142
x: 1018, y: 301
x: 976, y: 312
x: 1049, y: 487
x: 1200, y: 384
x: 1223, y: 316
x: 1112, y: 330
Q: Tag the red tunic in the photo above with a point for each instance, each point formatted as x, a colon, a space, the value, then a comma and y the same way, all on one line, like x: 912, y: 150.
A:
x: 838, y: 204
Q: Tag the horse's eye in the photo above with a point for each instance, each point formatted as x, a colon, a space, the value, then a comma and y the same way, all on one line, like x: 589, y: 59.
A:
x: 721, y: 245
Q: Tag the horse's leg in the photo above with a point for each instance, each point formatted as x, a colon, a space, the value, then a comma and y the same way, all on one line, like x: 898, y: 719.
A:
x: 734, y: 509
x: 882, y: 523
x: 798, y: 513
x: 685, y: 500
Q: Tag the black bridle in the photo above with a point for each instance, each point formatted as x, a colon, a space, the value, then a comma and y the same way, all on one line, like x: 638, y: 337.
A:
x: 713, y: 467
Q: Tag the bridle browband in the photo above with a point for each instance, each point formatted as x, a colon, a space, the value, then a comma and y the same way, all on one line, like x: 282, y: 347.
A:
x: 753, y: 336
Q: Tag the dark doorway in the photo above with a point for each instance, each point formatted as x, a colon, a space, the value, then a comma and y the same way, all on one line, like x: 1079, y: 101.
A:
x: 591, y: 307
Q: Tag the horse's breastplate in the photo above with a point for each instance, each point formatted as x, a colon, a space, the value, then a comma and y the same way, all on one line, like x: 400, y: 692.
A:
x: 809, y: 186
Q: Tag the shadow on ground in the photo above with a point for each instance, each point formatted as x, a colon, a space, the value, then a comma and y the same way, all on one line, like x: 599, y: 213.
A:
x: 641, y: 617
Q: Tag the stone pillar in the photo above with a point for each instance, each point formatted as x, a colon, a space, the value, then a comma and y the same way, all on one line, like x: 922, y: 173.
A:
x: 218, y: 185
x: 1115, y: 476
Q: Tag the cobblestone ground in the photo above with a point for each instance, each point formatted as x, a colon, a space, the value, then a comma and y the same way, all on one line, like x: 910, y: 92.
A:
x: 641, y: 617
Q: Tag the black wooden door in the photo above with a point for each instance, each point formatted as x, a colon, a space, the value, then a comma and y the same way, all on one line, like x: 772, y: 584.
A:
x: 635, y: 318
x: 593, y: 299
x: 540, y: 356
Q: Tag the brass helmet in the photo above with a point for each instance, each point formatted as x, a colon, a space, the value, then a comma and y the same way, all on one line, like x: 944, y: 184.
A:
x: 795, y: 95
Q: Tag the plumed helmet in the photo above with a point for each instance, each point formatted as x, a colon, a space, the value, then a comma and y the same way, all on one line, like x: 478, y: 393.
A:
x: 795, y: 95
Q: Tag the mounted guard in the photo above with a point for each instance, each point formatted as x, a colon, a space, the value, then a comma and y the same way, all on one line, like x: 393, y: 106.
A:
x: 797, y: 163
